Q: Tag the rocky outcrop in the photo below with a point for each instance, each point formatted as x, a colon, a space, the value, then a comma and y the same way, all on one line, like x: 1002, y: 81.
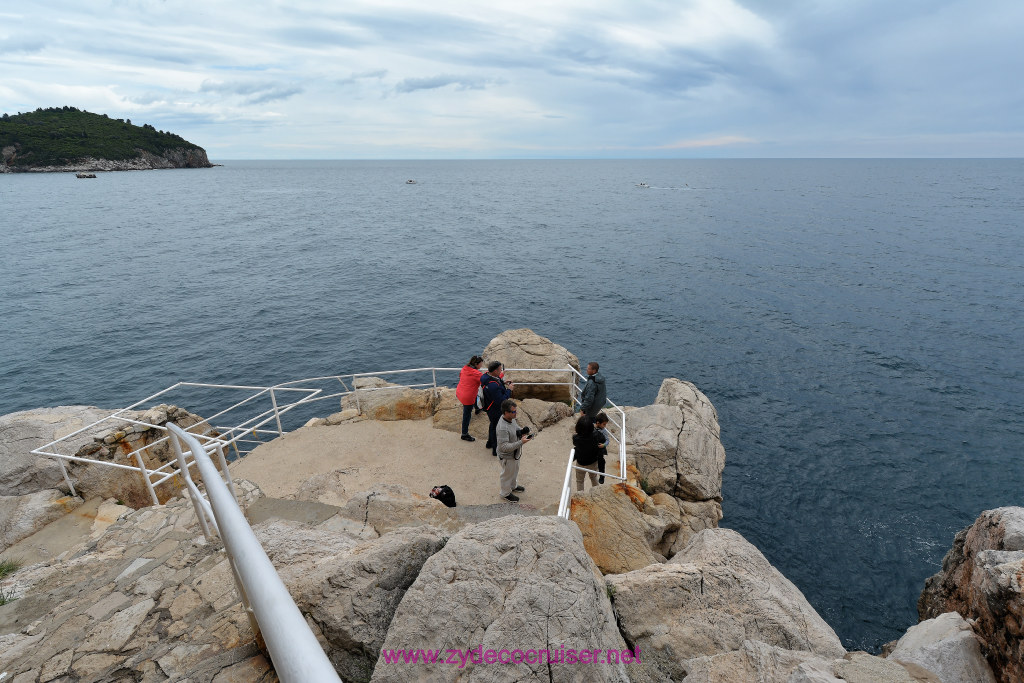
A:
x: 381, y: 400
x: 179, y: 157
x: 718, y: 592
x: 390, y: 506
x: 349, y: 590
x: 947, y: 646
x: 515, y: 584
x: 981, y: 579
x: 524, y: 348
x: 21, y: 472
x: 149, y: 600
x: 118, y: 444
x: 675, y: 443
x: 756, y: 662
x: 22, y: 516
x: 621, y: 527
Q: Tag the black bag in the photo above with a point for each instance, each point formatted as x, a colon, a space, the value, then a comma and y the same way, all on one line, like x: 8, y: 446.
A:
x: 444, y: 494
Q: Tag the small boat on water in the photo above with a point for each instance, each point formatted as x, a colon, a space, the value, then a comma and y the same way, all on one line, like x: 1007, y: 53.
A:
x: 410, y: 182
x: 85, y: 175
x: 643, y: 185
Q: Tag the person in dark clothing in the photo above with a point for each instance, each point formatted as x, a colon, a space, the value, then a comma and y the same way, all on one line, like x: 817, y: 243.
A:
x: 594, y: 395
x: 495, y: 392
x: 587, y: 450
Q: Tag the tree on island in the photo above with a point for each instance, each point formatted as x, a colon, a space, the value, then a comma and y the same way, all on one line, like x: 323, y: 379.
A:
x: 63, y: 135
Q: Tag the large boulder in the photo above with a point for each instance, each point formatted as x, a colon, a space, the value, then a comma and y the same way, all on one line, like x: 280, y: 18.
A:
x: 22, y: 516
x: 378, y: 399
x: 21, y: 472
x: 621, y: 526
x: 947, y: 646
x: 524, y: 348
x: 675, y: 443
x: 390, y: 506
x: 981, y: 579
x: 755, y: 662
x: 348, y: 589
x: 716, y: 593
x: 510, y: 588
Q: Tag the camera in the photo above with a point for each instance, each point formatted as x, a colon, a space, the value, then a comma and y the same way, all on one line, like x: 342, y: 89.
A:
x: 520, y: 433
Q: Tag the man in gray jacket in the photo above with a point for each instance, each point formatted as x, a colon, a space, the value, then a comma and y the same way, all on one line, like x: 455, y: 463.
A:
x: 510, y: 447
x: 593, y: 398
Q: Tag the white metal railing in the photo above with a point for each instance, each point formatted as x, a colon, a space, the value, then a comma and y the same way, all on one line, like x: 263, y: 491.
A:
x: 264, y: 408
x: 294, y: 650
x: 566, y: 497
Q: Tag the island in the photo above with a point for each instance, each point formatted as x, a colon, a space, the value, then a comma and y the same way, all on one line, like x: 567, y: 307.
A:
x: 67, y: 139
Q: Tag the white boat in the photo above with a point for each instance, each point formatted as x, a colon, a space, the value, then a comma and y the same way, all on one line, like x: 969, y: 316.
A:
x: 644, y: 185
x: 410, y: 182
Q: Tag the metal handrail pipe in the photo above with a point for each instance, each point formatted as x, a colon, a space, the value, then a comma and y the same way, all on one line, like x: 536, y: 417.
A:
x: 294, y: 650
x: 398, y: 372
x: 75, y: 458
x: 565, y: 486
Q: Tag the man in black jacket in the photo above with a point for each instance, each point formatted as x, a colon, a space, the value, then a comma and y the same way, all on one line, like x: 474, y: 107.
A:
x: 495, y: 392
x: 594, y: 395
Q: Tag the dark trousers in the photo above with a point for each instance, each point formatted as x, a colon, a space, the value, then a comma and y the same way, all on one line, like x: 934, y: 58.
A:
x: 492, y: 436
x: 600, y: 468
x: 467, y: 414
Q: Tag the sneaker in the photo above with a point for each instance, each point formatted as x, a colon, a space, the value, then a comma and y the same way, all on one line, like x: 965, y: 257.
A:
x: 467, y: 437
x: 519, y: 488
x: 512, y: 498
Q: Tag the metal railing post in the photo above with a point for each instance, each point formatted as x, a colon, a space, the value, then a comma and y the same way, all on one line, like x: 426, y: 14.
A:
x: 67, y: 479
x: 145, y: 477
x: 277, y: 415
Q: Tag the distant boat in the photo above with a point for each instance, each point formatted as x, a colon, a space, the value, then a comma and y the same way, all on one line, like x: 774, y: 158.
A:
x: 85, y: 175
x: 410, y: 182
x: 644, y: 185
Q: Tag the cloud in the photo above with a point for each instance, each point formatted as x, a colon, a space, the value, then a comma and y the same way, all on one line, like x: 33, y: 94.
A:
x: 255, y: 92
x: 408, y: 85
x: 721, y: 141
x: 10, y: 45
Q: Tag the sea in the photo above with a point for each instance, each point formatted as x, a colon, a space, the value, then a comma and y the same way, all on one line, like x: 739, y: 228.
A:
x: 858, y: 324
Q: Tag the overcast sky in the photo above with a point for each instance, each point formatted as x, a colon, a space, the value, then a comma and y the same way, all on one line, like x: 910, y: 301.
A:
x: 400, y: 79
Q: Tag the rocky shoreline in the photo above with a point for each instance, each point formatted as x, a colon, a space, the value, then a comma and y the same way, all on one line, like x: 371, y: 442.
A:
x: 641, y: 569
x: 182, y: 157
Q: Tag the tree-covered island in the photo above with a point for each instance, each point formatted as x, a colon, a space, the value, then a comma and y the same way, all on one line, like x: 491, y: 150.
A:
x: 68, y: 139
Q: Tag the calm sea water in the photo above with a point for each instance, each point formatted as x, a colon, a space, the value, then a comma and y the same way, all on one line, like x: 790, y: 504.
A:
x: 857, y: 323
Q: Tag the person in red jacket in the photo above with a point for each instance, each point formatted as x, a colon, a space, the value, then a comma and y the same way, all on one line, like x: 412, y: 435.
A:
x: 466, y: 391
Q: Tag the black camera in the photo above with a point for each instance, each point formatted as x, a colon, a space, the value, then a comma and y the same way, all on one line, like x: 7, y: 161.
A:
x: 520, y: 433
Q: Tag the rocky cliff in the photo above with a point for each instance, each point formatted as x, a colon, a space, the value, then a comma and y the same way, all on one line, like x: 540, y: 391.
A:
x: 181, y: 157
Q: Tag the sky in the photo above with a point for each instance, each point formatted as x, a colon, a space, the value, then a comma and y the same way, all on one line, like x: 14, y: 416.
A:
x: 457, y: 79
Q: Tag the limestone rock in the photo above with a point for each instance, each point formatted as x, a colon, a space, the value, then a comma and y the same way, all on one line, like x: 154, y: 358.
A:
x: 448, y: 416
x: 538, y: 414
x: 21, y: 516
x: 514, y: 583
x: 981, y: 579
x: 378, y: 399
x: 947, y: 646
x: 860, y: 667
x: 20, y: 471
x: 327, y: 488
x: 389, y: 506
x: 754, y: 661
x: 718, y: 592
x: 675, y: 443
x: 353, y: 598
x: 524, y: 348
x: 296, y: 549
x: 686, y: 518
x: 621, y: 526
